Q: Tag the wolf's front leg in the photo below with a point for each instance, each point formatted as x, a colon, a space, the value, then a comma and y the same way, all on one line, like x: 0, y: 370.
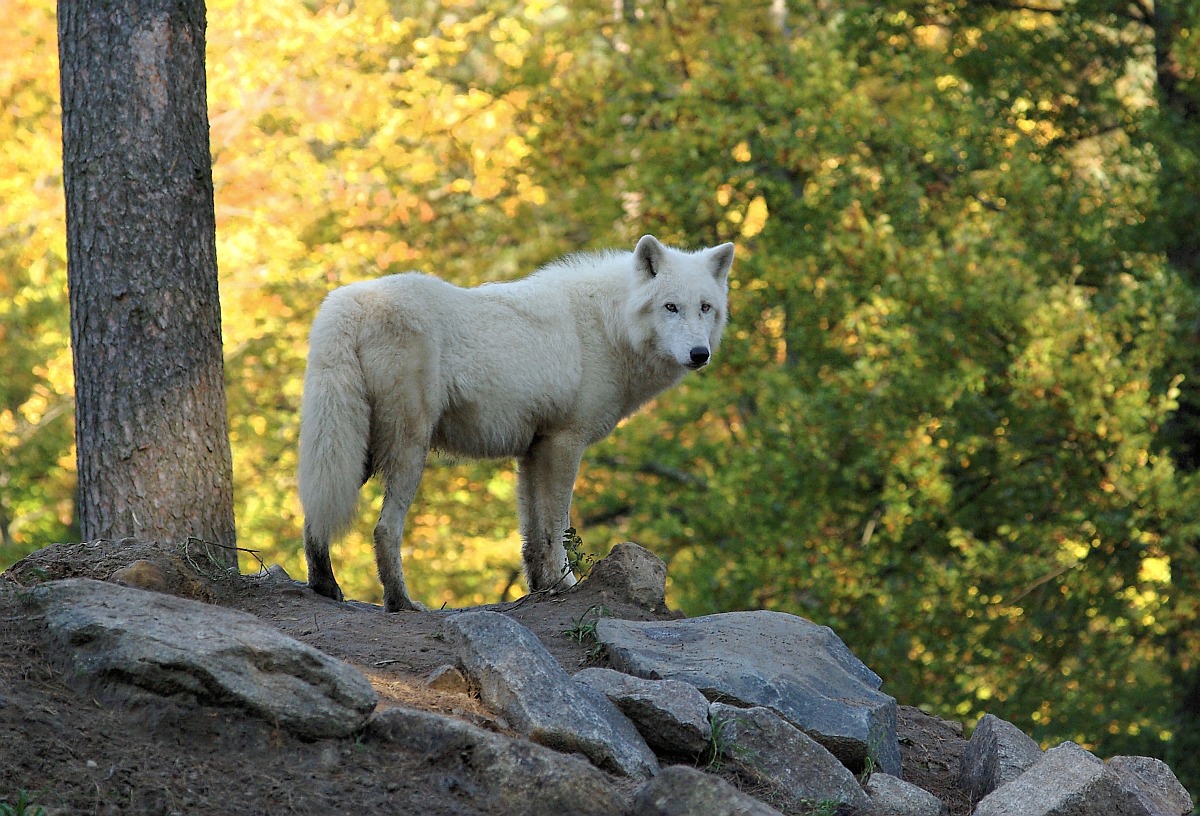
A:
x: 546, y: 477
x: 402, y: 476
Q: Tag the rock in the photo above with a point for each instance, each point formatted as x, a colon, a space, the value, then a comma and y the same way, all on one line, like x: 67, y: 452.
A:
x: 894, y: 797
x: 997, y: 753
x: 142, y: 574
x: 1151, y: 785
x: 632, y: 573
x: 1066, y: 781
x: 795, y: 770
x: 448, y: 678
x: 799, y: 669
x: 518, y: 677
x: 671, y: 716
x: 683, y: 791
x: 139, y: 644
x: 497, y: 773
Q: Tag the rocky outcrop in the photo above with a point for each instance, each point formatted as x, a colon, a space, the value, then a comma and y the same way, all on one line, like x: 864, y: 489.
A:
x: 800, y: 670
x: 798, y: 725
x: 133, y: 643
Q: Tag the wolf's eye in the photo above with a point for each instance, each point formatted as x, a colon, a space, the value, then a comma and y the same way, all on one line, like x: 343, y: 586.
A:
x: 705, y: 308
x: 671, y: 307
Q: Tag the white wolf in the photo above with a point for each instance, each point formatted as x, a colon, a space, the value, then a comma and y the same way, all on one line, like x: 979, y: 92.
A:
x: 536, y: 369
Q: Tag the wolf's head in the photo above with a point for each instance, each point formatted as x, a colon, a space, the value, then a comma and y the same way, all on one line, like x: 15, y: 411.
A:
x: 678, y: 302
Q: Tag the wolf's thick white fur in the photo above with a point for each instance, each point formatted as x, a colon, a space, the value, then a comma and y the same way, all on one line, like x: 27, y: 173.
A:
x: 536, y: 369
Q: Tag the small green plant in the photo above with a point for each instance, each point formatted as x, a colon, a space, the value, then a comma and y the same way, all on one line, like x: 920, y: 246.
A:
x: 718, y: 744
x: 583, y: 631
x: 826, y: 807
x: 582, y: 628
x: 871, y: 762
x: 579, y: 560
x: 721, y: 748
x: 24, y: 806
x: 868, y: 768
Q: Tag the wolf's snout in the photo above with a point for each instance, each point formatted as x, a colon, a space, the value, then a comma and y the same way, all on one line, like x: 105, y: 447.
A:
x: 698, y: 356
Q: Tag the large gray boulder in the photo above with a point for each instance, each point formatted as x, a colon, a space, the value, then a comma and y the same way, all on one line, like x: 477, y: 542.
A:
x: 683, y: 791
x: 792, y: 770
x: 795, y: 667
x: 519, y: 678
x: 497, y: 773
x: 997, y: 753
x: 134, y: 643
x: 671, y: 716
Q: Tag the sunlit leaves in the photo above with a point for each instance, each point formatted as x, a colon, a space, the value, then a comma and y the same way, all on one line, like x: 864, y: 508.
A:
x: 36, y: 387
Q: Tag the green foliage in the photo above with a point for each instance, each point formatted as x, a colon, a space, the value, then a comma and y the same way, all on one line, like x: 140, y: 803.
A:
x: 579, y: 560
x: 825, y: 807
x: 718, y: 745
x: 583, y: 631
x: 22, y: 806
x: 955, y: 413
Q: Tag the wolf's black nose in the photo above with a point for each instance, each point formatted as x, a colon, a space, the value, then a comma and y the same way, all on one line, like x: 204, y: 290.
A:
x: 699, y: 355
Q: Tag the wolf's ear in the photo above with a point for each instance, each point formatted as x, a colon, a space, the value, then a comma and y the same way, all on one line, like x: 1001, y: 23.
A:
x: 722, y: 261
x: 648, y: 256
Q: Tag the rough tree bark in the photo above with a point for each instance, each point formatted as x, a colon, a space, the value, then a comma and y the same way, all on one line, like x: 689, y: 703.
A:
x: 151, y: 430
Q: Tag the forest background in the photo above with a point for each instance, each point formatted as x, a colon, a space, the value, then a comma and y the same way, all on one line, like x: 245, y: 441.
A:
x: 954, y: 415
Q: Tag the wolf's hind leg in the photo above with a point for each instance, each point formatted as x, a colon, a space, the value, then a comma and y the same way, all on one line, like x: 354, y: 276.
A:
x: 402, y: 478
x: 320, y: 570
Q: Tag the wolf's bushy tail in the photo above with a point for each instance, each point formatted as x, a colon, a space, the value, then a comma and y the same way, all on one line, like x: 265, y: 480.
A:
x: 335, y: 424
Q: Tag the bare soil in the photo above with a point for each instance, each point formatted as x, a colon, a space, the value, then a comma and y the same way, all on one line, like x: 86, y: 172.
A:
x: 73, y: 754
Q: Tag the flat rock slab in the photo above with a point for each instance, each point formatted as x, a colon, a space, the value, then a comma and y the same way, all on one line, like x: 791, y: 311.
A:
x: 141, y: 644
x: 495, y: 772
x: 519, y: 678
x: 795, y: 667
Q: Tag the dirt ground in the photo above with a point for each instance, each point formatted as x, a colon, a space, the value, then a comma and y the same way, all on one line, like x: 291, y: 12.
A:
x: 72, y: 754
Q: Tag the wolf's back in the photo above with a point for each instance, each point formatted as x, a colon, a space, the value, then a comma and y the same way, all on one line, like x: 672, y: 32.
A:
x: 335, y: 421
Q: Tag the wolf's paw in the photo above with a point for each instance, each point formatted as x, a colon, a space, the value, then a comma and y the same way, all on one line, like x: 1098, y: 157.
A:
x: 404, y: 604
x: 327, y: 589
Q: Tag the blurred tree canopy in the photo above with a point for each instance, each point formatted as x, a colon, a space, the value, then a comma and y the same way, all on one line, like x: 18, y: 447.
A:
x: 956, y: 415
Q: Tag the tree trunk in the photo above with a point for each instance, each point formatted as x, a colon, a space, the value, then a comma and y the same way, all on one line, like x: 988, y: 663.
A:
x: 151, y: 431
